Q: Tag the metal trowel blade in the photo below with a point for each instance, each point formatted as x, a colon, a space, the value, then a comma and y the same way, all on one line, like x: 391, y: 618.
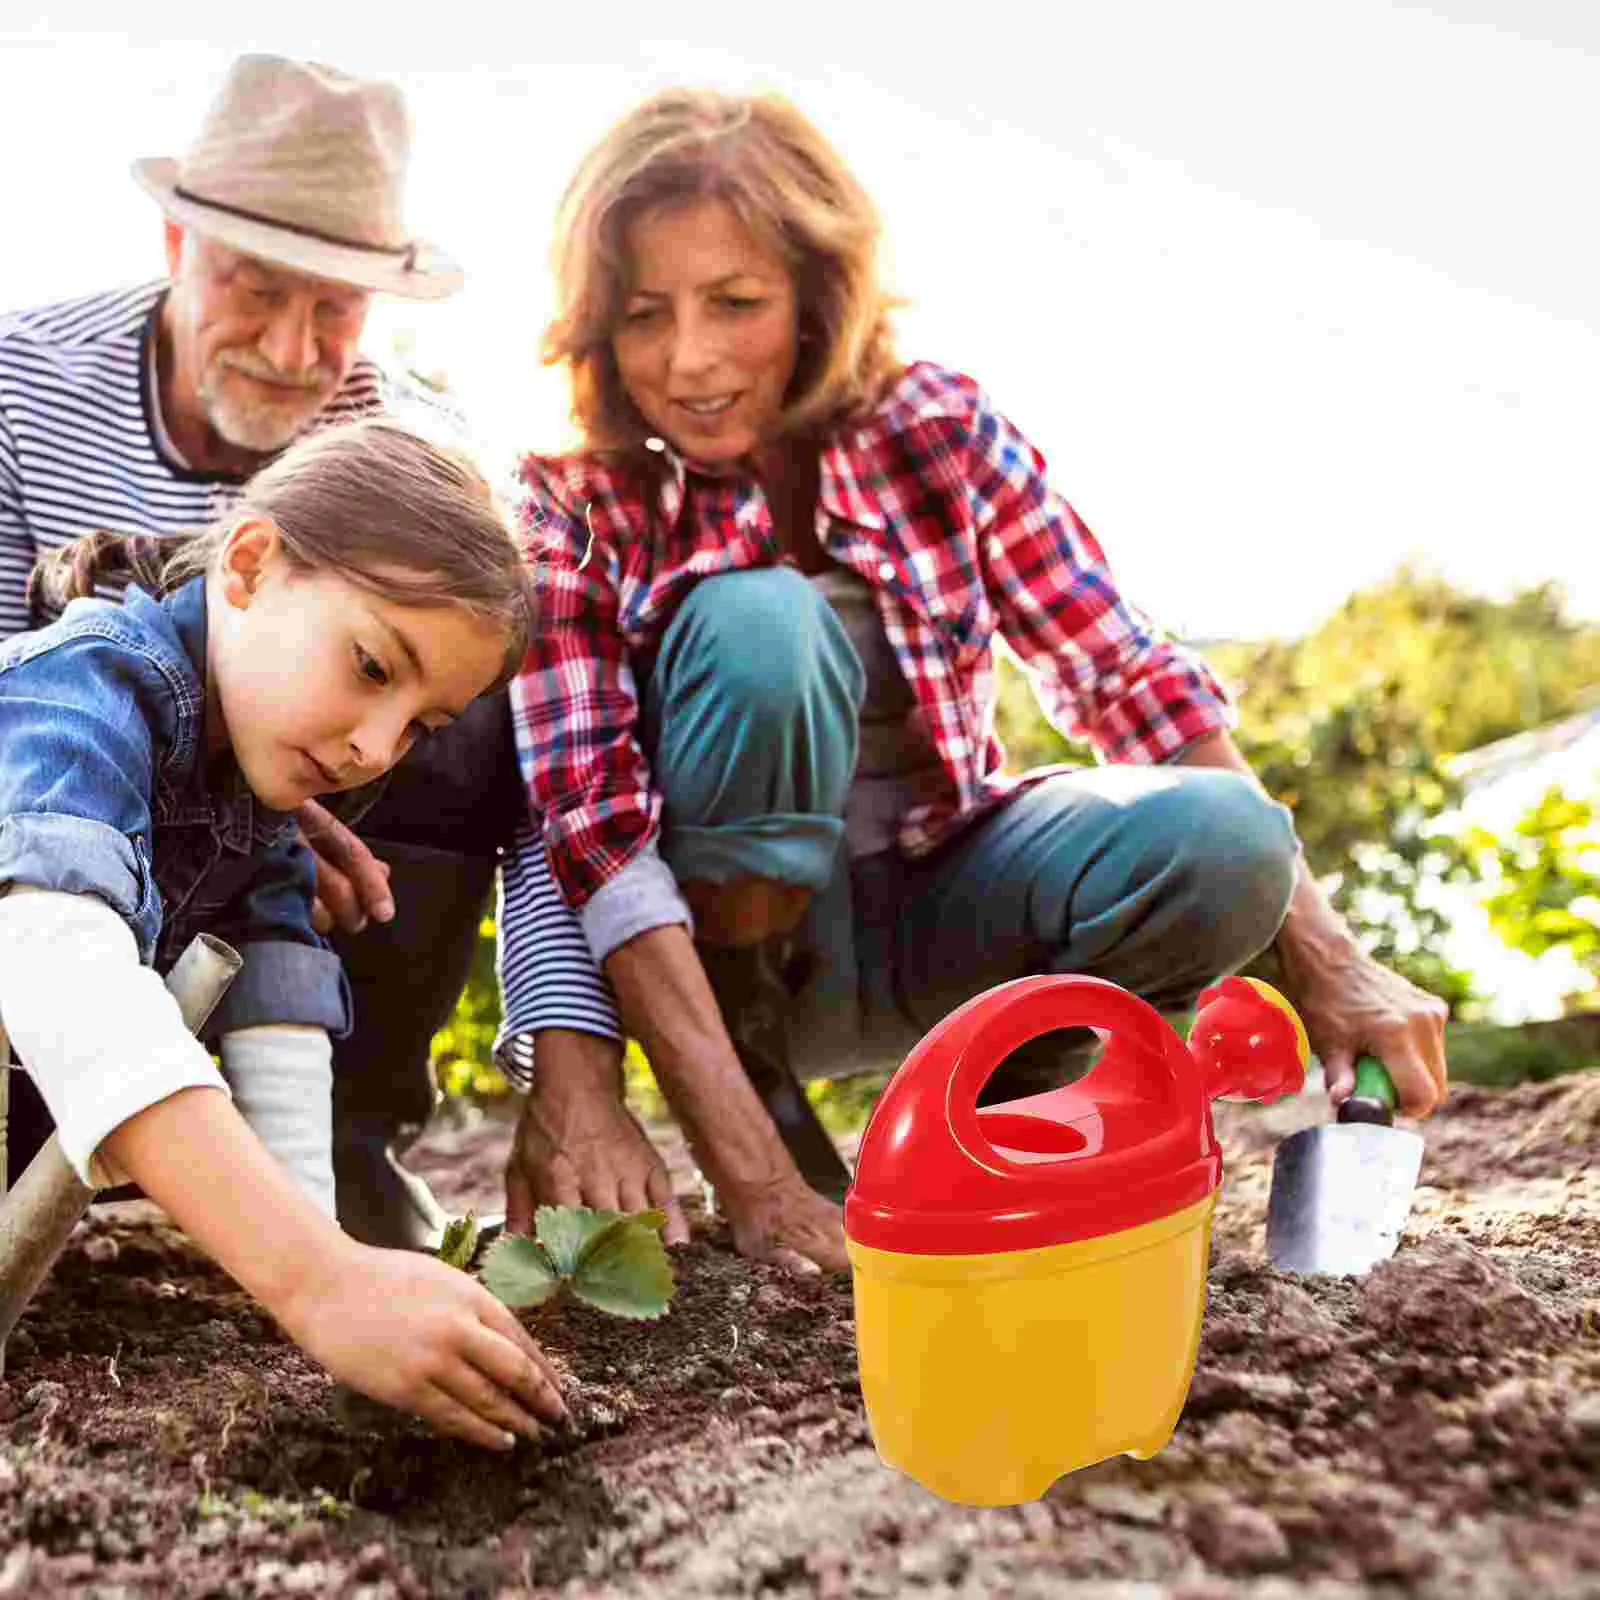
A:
x: 1340, y: 1197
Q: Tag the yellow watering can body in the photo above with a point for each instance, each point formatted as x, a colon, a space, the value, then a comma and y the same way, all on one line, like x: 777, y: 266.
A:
x: 1030, y: 1278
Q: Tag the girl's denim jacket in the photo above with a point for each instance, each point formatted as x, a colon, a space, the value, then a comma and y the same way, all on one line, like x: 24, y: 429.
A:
x: 106, y: 789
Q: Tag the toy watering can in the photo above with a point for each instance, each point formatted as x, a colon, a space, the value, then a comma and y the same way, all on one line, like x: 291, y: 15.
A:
x: 1029, y: 1278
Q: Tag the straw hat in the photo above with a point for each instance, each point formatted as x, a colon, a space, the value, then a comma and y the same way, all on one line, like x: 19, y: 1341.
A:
x: 303, y: 166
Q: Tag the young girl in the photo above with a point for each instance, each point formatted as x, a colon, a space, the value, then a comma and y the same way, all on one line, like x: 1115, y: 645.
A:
x: 362, y: 593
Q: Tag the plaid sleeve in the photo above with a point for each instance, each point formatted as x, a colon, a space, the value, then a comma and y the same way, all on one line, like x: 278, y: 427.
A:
x: 574, y: 704
x: 1103, y: 671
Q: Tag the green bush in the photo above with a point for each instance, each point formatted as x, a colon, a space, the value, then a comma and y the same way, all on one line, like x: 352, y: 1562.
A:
x: 463, y: 1049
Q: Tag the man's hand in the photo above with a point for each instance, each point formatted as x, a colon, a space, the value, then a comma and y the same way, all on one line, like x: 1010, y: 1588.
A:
x: 578, y: 1144
x: 1352, y: 1006
x: 352, y: 883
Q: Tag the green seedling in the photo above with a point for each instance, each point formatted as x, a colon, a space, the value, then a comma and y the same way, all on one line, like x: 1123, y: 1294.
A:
x: 611, y: 1259
x: 459, y: 1242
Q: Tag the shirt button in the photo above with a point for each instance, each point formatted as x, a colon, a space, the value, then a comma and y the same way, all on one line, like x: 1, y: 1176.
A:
x: 886, y: 571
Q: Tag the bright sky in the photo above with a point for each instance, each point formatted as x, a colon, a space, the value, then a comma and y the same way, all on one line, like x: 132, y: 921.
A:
x: 1284, y: 290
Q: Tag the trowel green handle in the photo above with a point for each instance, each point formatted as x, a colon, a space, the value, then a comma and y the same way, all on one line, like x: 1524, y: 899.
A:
x: 1373, y: 1099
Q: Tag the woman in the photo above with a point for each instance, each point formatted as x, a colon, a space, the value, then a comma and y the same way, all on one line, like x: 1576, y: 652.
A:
x: 758, y: 719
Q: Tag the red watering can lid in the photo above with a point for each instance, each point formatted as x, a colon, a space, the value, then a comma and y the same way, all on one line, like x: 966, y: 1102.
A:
x: 1127, y: 1144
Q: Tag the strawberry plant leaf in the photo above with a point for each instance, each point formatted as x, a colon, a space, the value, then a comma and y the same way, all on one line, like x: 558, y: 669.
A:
x: 460, y: 1240
x: 624, y: 1268
x: 654, y: 1220
x: 565, y: 1232
x: 613, y: 1260
x: 519, y: 1271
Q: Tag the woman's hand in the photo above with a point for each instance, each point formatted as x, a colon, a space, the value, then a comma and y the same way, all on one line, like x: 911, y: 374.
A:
x: 427, y: 1339
x: 668, y: 1004
x: 578, y: 1144
x: 1352, y: 1006
x: 787, y: 1223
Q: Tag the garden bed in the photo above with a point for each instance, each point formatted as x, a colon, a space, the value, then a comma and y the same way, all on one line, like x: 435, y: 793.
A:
x: 1433, y: 1430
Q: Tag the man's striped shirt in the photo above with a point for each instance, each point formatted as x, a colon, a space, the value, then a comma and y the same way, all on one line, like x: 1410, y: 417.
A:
x: 81, y: 443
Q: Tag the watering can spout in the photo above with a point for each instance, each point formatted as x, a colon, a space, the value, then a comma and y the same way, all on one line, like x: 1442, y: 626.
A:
x: 1247, y: 1041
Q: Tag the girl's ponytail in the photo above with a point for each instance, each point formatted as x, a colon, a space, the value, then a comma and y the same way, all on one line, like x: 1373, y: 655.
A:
x: 77, y: 570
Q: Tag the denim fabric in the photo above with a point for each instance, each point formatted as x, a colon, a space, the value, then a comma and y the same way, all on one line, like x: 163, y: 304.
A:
x: 106, y: 789
x: 750, y: 719
x: 1160, y: 878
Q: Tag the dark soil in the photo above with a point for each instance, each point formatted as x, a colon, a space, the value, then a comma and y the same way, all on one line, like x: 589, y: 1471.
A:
x: 1432, y: 1430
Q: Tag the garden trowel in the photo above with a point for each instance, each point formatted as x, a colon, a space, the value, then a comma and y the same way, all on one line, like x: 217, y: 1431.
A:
x: 1341, y: 1193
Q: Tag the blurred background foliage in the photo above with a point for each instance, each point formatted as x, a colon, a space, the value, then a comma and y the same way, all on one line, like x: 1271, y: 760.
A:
x: 1545, y: 885
x: 1351, y: 726
x: 463, y: 1050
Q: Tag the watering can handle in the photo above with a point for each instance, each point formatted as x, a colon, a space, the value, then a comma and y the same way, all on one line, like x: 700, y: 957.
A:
x: 1014, y: 1013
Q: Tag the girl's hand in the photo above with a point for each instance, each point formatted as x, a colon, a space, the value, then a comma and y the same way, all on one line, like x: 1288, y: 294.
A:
x: 425, y: 1338
x: 404, y: 1329
x: 1352, y: 1006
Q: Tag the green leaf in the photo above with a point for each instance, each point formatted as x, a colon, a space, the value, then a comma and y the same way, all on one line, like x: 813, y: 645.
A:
x: 624, y: 1268
x: 519, y: 1271
x: 653, y: 1220
x: 612, y: 1260
x: 460, y: 1240
x: 565, y: 1232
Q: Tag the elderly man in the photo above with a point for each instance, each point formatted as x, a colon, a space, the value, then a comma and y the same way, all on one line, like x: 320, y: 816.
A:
x: 145, y: 409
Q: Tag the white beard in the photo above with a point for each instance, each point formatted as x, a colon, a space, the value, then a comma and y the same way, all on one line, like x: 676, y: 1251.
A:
x: 262, y: 427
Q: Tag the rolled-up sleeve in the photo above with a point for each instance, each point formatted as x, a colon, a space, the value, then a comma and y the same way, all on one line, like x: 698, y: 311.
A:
x: 285, y: 983
x: 78, y: 855
x: 1102, y: 669
x: 643, y: 895
x: 101, y: 1036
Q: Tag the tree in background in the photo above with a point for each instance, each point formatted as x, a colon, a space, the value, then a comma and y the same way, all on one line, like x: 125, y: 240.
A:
x: 1547, y: 886
x: 463, y: 1049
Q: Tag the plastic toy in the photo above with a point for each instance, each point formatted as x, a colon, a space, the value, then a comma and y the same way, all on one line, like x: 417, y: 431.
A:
x: 1030, y: 1277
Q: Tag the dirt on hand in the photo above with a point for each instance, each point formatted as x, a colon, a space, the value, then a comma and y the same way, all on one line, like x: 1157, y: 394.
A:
x: 1433, y: 1429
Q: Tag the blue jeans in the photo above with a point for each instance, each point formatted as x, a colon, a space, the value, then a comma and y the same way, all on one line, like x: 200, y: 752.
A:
x: 1160, y: 879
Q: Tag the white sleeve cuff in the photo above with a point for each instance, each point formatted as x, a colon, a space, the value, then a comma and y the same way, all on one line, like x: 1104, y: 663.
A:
x: 281, y: 1075
x: 643, y: 895
x: 100, y: 1034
